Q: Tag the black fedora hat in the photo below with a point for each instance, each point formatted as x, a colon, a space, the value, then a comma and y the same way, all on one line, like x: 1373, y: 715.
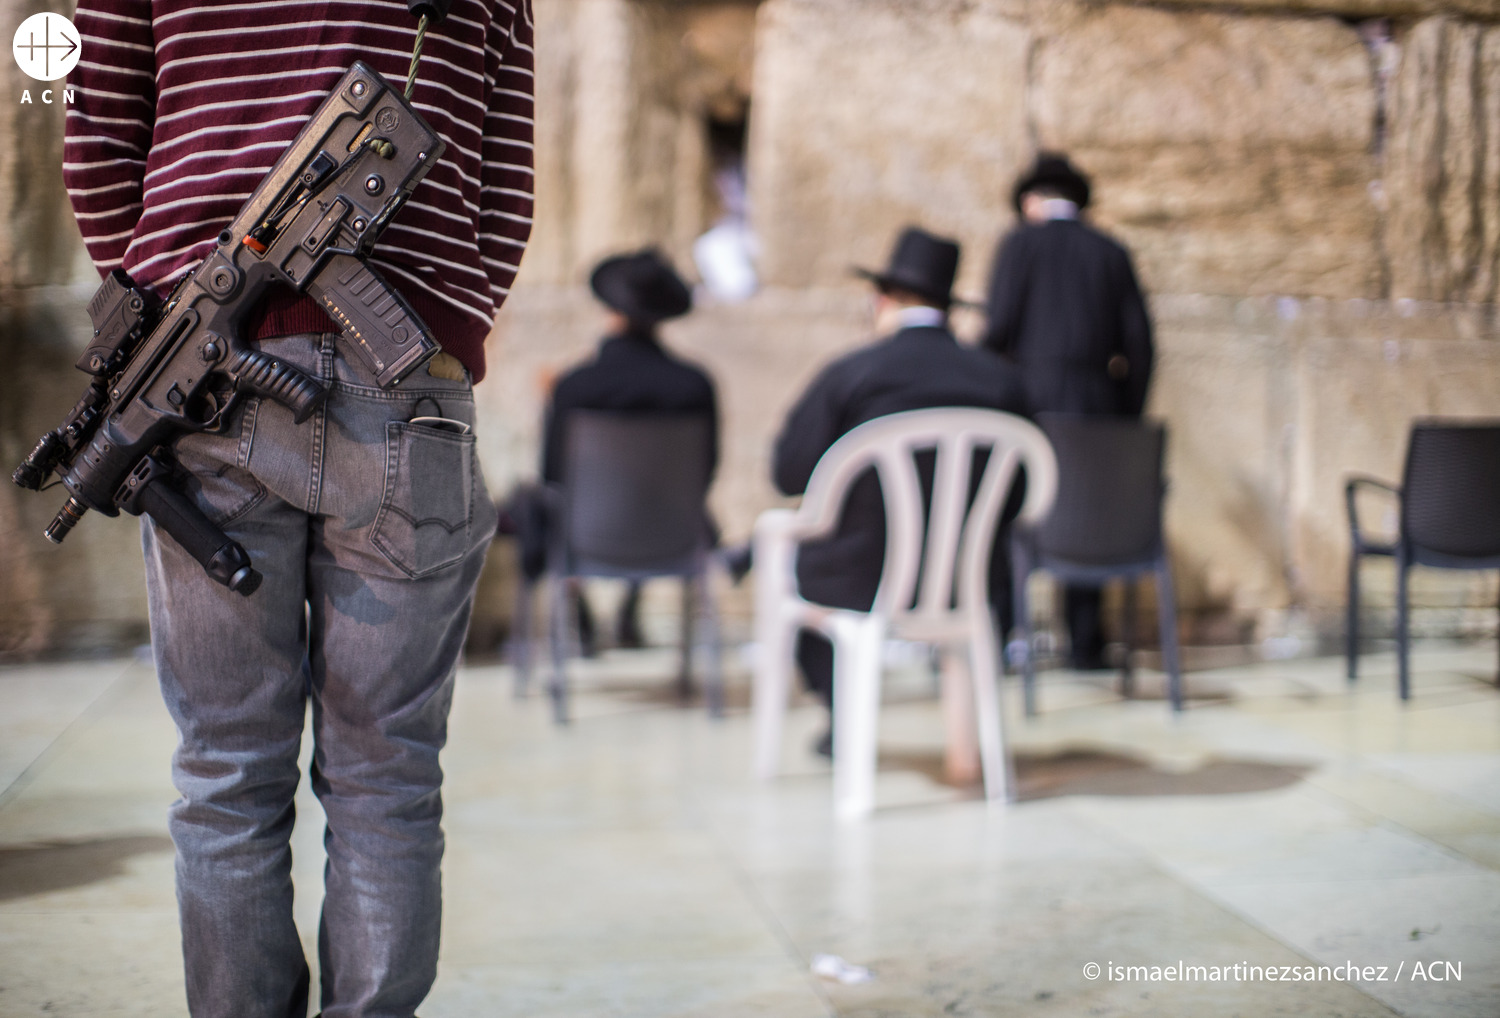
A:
x: 1052, y: 171
x: 921, y: 264
x: 642, y: 286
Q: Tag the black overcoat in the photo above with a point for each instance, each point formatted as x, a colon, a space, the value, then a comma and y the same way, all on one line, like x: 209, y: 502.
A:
x: 913, y: 369
x: 631, y: 373
x: 1063, y: 301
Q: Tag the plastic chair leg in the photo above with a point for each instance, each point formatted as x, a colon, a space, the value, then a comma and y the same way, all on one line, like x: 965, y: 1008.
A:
x: 770, y: 691
x: 1403, y: 625
x: 685, y: 669
x: 557, y: 685
x: 713, y: 669
x: 856, y: 712
x: 1351, y: 620
x: 1127, y: 630
x: 963, y: 762
x: 989, y: 709
x: 1021, y: 567
x: 1167, y: 610
x: 522, y: 639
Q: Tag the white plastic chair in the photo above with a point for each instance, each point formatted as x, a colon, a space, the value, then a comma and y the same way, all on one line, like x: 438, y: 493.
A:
x: 957, y: 547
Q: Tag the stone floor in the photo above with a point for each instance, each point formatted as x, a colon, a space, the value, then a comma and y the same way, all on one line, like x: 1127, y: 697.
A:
x: 627, y: 866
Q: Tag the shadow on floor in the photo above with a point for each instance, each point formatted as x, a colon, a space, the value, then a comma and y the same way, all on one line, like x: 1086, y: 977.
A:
x: 1092, y: 772
x: 29, y: 870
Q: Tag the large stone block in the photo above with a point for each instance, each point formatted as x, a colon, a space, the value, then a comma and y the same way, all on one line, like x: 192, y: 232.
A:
x: 626, y: 90
x: 1443, y: 163
x: 1219, y: 387
x: 1270, y: 402
x: 872, y: 114
x: 37, y: 238
x: 1363, y: 373
x: 1232, y: 153
x: 88, y: 594
x: 1486, y: 9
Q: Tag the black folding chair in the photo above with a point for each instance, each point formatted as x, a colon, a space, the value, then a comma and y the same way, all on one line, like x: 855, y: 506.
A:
x: 632, y: 507
x: 1449, y: 502
x: 1106, y: 524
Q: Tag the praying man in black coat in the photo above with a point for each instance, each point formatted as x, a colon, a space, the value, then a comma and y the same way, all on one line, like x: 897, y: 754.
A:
x: 915, y: 365
x: 1064, y: 306
x: 633, y: 373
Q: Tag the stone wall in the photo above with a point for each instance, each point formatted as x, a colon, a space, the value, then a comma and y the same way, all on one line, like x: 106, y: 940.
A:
x: 1443, y: 164
x: 86, y: 594
x: 1309, y: 186
x: 624, y: 87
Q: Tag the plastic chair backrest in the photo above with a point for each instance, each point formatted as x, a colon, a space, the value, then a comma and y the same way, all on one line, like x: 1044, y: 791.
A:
x: 1109, y: 490
x: 959, y: 535
x: 634, y: 487
x: 1450, y: 493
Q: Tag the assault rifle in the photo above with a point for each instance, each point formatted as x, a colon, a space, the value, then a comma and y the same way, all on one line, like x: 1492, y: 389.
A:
x: 164, y: 369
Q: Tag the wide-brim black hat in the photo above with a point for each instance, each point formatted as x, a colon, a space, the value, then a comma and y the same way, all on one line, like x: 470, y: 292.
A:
x: 1053, y: 172
x: 642, y: 286
x: 921, y: 264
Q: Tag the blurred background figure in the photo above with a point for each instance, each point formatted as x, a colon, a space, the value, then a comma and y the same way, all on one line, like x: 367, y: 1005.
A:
x: 633, y: 373
x: 725, y: 254
x: 1064, y: 306
x: 915, y: 364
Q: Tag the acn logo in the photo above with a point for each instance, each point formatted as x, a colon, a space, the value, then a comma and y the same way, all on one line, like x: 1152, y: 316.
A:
x: 46, y: 46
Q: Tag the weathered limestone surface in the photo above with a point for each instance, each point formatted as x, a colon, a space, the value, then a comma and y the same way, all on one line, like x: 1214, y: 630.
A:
x: 37, y: 238
x: 1220, y: 386
x: 1232, y: 153
x: 1238, y: 148
x: 88, y: 593
x: 1443, y: 175
x: 1270, y: 402
x: 1362, y: 373
x: 902, y: 113
x: 1488, y: 10
x: 623, y: 90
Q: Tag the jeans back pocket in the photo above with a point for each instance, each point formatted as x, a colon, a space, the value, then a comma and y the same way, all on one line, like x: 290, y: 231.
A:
x: 427, y: 509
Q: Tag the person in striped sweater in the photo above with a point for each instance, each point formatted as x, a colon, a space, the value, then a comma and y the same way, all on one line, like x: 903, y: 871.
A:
x: 369, y: 521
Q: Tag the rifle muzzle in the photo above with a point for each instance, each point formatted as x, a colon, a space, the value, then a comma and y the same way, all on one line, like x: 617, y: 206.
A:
x: 66, y: 519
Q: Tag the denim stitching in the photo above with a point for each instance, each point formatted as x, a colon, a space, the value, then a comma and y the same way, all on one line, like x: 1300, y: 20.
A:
x: 395, y: 432
x: 461, y: 393
x: 318, y: 448
x: 392, y: 468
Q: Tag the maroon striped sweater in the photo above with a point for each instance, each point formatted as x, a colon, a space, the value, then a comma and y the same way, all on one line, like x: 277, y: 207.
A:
x: 184, y: 105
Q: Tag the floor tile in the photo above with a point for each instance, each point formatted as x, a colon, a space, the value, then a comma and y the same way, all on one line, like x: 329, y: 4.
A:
x: 627, y: 864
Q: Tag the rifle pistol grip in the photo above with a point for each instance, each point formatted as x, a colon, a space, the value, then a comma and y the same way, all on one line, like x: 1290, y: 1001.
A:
x: 263, y: 375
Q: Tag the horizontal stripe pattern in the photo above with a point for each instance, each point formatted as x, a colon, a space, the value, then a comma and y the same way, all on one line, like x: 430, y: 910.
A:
x: 183, y: 106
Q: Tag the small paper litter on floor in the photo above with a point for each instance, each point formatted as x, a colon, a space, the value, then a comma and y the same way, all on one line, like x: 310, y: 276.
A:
x: 831, y: 966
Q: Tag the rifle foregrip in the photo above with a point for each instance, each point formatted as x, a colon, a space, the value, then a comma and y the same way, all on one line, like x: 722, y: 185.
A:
x: 264, y: 375
x: 222, y: 558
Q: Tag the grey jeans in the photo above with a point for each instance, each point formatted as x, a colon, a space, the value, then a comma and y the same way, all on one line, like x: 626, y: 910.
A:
x: 370, y: 530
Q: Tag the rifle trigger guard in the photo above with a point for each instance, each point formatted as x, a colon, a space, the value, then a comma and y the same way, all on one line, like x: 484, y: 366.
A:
x: 226, y: 403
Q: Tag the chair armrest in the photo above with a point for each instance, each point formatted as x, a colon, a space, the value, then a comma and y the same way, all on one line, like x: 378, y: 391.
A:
x: 1351, y: 489
x: 774, y: 544
x: 1356, y: 480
